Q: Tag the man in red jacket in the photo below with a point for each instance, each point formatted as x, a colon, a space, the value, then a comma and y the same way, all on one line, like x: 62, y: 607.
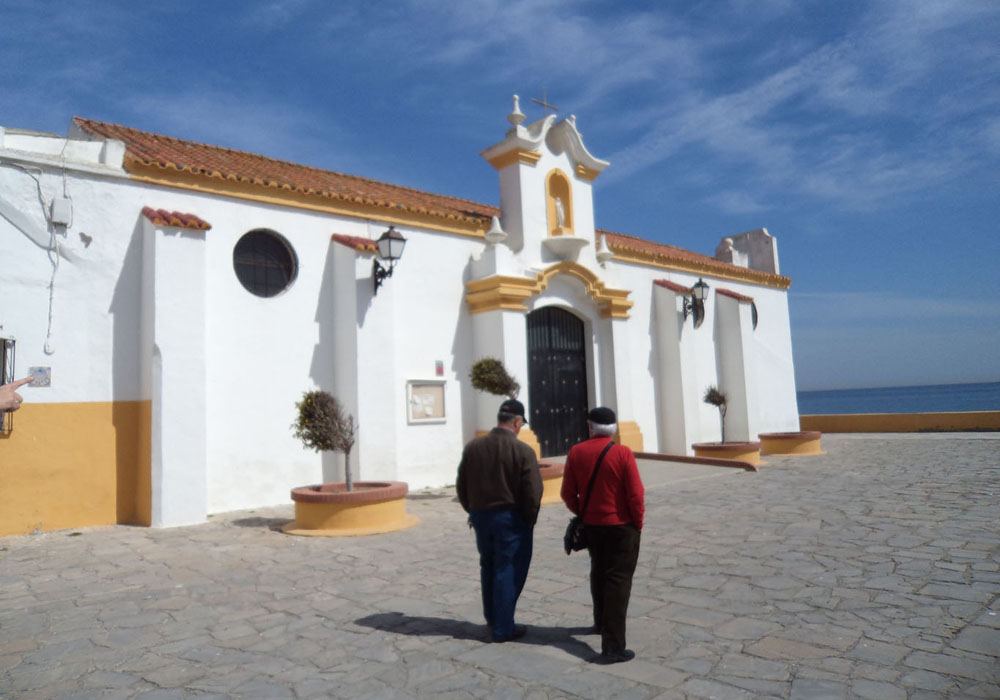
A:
x: 612, y: 523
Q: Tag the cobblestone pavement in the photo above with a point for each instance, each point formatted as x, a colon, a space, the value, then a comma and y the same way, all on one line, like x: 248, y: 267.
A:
x: 871, y: 572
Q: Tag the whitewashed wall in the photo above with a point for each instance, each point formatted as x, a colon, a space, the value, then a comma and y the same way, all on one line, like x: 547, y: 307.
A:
x: 328, y: 330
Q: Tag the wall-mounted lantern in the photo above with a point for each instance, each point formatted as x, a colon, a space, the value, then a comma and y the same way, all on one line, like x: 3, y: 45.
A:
x: 695, y: 304
x: 390, y: 248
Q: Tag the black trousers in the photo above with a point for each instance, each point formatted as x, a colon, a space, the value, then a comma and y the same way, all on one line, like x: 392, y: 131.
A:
x: 614, y: 551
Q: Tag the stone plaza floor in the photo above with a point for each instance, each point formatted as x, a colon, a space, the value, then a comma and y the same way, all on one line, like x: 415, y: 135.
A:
x: 872, y: 571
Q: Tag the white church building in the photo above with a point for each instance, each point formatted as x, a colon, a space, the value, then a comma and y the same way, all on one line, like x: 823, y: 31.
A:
x: 174, y: 300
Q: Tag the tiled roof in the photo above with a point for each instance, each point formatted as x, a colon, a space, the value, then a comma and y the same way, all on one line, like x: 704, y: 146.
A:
x: 168, y: 153
x: 146, y: 152
x: 734, y: 295
x: 162, y: 217
x: 674, y: 287
x: 365, y: 245
x: 642, y: 250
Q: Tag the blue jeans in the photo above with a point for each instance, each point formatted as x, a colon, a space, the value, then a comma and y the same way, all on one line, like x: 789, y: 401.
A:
x: 504, y: 541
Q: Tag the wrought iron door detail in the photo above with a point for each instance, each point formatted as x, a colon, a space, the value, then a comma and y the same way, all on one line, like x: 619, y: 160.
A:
x: 557, y: 379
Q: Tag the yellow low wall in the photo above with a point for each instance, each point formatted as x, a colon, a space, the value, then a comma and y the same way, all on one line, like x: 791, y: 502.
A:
x: 902, y: 422
x: 75, y: 465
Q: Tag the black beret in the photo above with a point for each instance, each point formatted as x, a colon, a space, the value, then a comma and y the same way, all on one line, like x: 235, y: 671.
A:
x: 602, y: 416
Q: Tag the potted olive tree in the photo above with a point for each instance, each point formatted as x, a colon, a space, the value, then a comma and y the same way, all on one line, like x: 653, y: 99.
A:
x: 322, y: 424
x: 741, y: 451
x: 718, y: 399
x: 341, y: 508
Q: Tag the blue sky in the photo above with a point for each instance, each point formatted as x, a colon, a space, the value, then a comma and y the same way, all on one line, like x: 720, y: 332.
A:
x: 865, y: 136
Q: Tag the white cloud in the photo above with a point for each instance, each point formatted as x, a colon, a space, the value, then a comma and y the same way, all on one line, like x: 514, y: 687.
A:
x: 736, y: 202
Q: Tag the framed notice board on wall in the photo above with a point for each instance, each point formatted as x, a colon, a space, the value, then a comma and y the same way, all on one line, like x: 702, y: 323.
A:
x: 425, y: 401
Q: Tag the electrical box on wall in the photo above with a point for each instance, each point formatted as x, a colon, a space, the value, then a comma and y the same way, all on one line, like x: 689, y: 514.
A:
x: 61, y: 211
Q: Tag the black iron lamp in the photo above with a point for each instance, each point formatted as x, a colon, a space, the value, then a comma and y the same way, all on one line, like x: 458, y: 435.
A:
x: 390, y: 248
x: 695, y: 304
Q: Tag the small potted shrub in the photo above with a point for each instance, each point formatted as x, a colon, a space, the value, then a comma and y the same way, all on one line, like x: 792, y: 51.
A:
x: 489, y: 375
x: 341, y: 508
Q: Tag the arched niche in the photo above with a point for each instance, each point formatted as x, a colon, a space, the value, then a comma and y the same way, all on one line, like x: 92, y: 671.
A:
x: 559, y: 203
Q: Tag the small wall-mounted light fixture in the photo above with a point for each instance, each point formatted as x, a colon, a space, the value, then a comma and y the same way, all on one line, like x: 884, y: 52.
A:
x: 390, y: 248
x: 695, y: 304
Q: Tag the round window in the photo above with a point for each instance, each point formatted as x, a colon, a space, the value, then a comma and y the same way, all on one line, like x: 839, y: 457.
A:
x: 264, y: 263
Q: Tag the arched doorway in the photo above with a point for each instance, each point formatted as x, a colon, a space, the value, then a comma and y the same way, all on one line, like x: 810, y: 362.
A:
x: 557, y: 379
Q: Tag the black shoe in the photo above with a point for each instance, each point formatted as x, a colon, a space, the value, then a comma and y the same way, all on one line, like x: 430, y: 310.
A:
x: 615, y: 657
x: 519, y: 631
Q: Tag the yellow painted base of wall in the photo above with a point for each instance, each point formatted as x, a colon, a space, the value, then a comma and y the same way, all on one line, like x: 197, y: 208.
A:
x: 350, y: 519
x: 69, y: 465
x: 527, y: 436
x: 903, y: 422
x: 629, y: 435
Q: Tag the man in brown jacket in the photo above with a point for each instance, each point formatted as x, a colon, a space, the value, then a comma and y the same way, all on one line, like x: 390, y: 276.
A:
x: 500, y: 488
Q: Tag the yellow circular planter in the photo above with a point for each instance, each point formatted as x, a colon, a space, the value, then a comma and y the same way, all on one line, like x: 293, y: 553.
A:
x: 551, y: 482
x: 804, y: 442
x: 330, y: 510
x: 740, y: 451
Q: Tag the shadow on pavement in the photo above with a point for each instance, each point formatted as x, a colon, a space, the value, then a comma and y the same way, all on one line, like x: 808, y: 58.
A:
x: 398, y: 623
x: 270, y: 523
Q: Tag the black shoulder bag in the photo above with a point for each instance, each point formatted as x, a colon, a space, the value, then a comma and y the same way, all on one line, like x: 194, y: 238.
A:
x: 575, y: 538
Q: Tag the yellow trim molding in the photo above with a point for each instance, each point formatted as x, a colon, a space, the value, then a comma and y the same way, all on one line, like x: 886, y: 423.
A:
x: 471, y: 226
x: 517, y: 155
x: 720, y: 271
x: 585, y: 173
x: 499, y: 292
x: 505, y: 292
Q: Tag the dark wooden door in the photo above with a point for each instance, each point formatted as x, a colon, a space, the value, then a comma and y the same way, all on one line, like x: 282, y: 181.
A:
x: 557, y: 379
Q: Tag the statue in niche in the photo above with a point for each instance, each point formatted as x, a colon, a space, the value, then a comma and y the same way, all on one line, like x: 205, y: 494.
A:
x: 560, y: 212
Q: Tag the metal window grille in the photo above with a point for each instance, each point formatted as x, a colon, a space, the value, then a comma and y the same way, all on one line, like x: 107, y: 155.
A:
x: 264, y: 263
x: 6, y: 375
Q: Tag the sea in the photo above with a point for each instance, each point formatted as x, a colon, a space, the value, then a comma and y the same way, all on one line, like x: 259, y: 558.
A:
x: 902, y: 399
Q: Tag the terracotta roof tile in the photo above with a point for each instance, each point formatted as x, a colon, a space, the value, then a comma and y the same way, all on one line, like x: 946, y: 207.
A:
x: 162, y: 217
x: 167, y: 153
x: 674, y: 287
x: 170, y: 153
x: 366, y: 245
x: 734, y: 295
